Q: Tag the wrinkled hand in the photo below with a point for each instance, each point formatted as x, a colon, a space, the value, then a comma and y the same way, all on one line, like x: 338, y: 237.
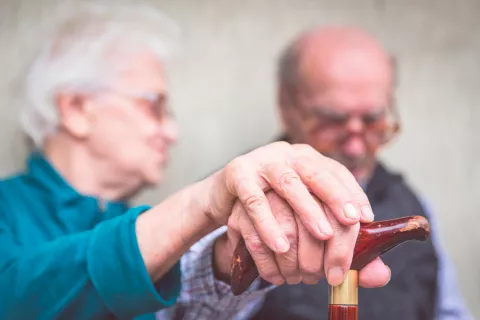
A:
x: 298, y: 174
x: 307, y: 257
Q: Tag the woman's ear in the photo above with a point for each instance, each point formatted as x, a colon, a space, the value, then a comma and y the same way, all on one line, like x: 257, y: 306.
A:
x: 74, y: 114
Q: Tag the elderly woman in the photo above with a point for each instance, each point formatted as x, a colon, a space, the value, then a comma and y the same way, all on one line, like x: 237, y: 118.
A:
x: 72, y: 248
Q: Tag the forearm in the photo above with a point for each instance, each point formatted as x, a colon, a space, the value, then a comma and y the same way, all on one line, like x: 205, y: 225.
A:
x: 168, y: 230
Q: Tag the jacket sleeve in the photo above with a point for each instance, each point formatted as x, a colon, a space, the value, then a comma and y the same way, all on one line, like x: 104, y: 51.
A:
x: 82, y: 276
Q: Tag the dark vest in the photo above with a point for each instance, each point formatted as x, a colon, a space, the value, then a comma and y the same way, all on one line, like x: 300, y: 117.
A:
x: 411, y: 292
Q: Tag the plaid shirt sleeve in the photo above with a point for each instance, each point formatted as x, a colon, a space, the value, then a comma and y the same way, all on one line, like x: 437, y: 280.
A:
x: 204, y: 297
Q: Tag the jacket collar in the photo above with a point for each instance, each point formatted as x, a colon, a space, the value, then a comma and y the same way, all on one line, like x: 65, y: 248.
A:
x: 44, y: 175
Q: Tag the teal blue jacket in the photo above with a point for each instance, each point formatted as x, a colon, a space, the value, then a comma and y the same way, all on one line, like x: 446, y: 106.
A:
x: 64, y: 255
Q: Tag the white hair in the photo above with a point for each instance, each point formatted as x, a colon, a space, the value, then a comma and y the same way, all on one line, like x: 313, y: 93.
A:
x: 77, y: 55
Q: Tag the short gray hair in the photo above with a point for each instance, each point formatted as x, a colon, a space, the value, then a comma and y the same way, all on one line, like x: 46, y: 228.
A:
x: 75, y: 55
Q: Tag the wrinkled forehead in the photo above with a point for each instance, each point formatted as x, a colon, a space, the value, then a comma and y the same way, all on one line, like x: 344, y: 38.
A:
x: 138, y: 70
x: 352, y: 80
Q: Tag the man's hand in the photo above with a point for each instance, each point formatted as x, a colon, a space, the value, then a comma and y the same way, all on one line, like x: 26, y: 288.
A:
x: 307, y: 257
x: 298, y: 174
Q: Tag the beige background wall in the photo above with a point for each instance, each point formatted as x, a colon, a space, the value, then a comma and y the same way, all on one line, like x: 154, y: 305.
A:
x: 223, y: 93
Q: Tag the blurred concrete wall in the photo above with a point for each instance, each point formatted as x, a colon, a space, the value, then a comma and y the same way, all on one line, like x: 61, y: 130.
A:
x: 223, y: 93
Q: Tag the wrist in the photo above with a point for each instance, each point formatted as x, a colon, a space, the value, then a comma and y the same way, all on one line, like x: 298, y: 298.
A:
x: 219, y: 200
x: 197, y: 220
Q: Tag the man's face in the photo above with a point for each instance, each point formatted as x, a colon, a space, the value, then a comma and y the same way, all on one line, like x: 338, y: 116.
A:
x: 345, y: 113
x: 131, y: 128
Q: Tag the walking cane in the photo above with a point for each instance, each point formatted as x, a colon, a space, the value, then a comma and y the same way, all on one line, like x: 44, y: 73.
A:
x: 373, y: 240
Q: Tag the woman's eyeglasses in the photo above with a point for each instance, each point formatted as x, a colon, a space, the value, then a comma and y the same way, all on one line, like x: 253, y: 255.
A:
x: 154, y: 104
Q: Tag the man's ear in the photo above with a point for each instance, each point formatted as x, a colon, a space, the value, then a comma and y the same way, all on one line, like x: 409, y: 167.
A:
x: 74, y: 114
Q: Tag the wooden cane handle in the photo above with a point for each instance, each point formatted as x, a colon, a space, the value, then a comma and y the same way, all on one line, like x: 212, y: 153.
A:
x: 373, y: 240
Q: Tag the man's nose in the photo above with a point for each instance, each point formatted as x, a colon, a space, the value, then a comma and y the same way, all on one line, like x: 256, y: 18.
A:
x: 355, y: 125
x: 355, y: 144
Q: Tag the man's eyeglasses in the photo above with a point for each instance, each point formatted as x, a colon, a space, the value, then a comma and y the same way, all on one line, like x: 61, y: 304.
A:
x: 379, y: 125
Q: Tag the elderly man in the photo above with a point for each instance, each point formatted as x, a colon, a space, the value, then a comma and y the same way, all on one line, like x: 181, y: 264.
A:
x: 336, y: 93
x: 96, y: 108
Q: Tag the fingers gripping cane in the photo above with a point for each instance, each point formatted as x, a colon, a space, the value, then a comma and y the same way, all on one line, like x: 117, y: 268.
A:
x: 373, y: 240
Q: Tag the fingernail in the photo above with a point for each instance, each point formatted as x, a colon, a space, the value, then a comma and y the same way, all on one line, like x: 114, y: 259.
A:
x: 368, y: 213
x: 350, y: 211
x: 282, y: 245
x: 335, y: 276
x: 324, y: 229
x: 390, y: 277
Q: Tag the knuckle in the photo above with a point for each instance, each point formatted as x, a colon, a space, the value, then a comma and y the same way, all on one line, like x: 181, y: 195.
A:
x: 268, y: 272
x: 232, y: 166
x: 288, y: 179
x: 318, y: 174
x: 232, y: 171
x: 340, y: 167
x: 334, y: 165
x: 294, y: 280
x: 291, y: 259
x: 334, y: 203
x: 281, y: 144
x: 308, y: 175
x: 298, y: 159
x: 311, y: 269
x: 307, y: 148
x: 310, y: 281
x: 289, y: 265
x: 254, y: 202
x: 290, y: 230
x: 360, y: 197
x: 236, y: 167
x: 340, y: 252
x: 301, y: 146
x: 255, y: 244
x: 233, y: 221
